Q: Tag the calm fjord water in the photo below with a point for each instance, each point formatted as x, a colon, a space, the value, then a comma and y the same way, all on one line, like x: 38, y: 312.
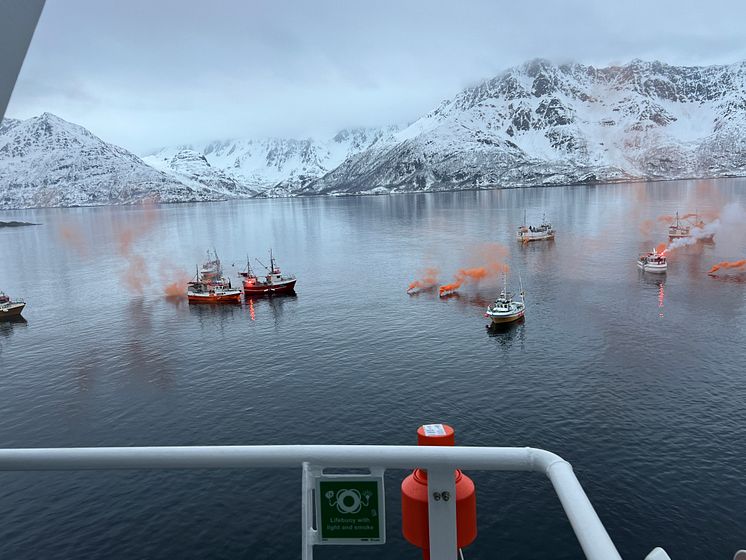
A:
x: 645, y: 401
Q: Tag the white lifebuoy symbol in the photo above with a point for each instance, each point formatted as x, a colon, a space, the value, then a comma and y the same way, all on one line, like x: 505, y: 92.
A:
x: 349, y: 501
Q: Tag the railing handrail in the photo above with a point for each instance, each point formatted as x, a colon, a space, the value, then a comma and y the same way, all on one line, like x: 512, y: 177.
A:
x: 585, y: 522
x: 277, y: 456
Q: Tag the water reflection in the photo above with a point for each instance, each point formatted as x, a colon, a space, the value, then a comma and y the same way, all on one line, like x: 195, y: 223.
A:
x: 13, y: 320
x: 8, y: 327
x: 274, y: 306
x: 506, y: 334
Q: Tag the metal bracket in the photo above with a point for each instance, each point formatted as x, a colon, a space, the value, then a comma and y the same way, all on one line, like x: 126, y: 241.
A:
x: 441, y: 485
x: 310, y: 534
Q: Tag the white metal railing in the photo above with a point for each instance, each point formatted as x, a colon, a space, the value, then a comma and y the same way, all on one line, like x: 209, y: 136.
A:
x: 439, y: 461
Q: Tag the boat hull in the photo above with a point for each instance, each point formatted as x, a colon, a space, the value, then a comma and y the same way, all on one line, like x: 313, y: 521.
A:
x: 261, y: 288
x: 232, y: 297
x: 656, y: 268
x: 12, y: 309
x: 502, y: 319
x: 527, y: 238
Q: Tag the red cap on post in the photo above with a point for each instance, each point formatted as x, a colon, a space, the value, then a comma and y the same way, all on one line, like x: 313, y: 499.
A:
x: 436, y: 434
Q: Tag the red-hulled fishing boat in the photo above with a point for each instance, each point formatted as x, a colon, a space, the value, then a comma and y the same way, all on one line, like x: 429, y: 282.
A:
x: 10, y: 308
x: 273, y: 283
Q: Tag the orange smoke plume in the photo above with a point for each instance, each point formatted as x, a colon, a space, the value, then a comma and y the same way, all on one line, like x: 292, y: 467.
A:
x: 428, y: 281
x: 449, y: 288
x: 661, y: 248
x: 492, y: 255
x: 174, y: 280
x: 728, y: 265
x: 473, y: 276
x: 666, y: 219
x: 136, y: 276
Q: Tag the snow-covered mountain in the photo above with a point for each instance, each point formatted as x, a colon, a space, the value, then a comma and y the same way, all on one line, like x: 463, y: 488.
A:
x: 274, y: 166
x: 47, y: 161
x: 192, y: 168
x: 541, y: 123
x: 535, y: 124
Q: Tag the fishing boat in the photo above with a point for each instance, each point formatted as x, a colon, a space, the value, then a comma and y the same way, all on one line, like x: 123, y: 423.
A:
x: 506, y: 309
x: 201, y: 292
x: 274, y: 282
x: 10, y: 308
x: 210, y: 286
x: 541, y: 232
x: 652, y: 262
x: 677, y: 230
x: 212, y: 271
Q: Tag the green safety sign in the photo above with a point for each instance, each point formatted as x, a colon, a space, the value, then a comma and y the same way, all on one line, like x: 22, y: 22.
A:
x: 350, y: 509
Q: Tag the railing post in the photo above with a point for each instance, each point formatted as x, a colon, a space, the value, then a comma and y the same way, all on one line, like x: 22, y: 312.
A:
x: 441, y: 490
x: 309, y: 533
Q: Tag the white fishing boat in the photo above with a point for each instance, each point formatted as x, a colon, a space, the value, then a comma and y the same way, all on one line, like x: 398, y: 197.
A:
x: 506, y: 309
x: 653, y: 262
x: 542, y: 232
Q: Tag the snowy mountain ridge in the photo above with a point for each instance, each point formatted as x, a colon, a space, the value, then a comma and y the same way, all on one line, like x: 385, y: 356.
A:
x: 535, y: 124
x: 47, y: 161
x: 276, y: 166
x: 546, y: 124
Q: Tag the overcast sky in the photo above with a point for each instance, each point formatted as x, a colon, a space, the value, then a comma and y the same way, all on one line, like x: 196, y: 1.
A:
x: 148, y: 73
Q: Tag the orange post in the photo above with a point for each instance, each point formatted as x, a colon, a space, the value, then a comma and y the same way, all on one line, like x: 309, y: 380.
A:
x: 414, y: 495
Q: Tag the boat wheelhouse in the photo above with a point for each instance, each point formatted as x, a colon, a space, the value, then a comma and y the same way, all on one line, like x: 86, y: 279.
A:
x: 653, y: 262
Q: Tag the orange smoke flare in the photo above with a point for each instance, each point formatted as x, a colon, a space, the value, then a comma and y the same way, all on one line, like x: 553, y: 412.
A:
x: 661, y: 248
x: 428, y: 281
x: 728, y: 265
x: 449, y: 288
x: 462, y: 276
x: 492, y: 254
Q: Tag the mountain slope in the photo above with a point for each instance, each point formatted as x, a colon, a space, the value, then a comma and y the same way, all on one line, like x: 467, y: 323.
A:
x: 275, y: 166
x: 540, y: 124
x: 47, y: 161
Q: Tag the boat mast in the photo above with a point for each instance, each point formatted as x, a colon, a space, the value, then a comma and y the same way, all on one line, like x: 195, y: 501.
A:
x: 520, y: 283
